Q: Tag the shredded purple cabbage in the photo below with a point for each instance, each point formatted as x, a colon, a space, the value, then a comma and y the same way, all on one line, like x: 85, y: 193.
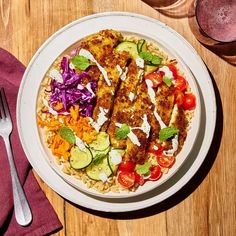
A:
x: 71, y: 91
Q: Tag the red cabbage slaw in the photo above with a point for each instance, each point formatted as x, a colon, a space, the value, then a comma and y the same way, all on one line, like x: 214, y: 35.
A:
x: 71, y: 91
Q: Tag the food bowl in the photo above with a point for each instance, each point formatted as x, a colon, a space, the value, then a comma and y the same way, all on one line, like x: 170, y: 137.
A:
x: 61, y: 41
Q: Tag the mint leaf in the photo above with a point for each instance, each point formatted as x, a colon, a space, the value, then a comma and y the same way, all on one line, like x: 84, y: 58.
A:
x: 167, y: 133
x: 143, y: 169
x: 167, y: 81
x: 123, y: 131
x: 156, y: 60
x: 80, y: 62
x: 146, y: 56
x: 67, y: 134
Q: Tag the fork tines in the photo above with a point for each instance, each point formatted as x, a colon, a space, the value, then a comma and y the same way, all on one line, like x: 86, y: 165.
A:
x: 4, y: 110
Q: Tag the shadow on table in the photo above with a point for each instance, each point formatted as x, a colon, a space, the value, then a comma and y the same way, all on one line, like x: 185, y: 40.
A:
x: 189, y: 187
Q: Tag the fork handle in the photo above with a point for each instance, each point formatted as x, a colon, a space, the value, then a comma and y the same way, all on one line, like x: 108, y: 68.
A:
x: 22, y: 210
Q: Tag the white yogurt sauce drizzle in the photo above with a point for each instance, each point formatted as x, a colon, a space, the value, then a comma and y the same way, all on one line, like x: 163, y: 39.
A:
x: 101, y: 119
x: 131, y: 136
x: 162, y: 124
x: 71, y: 66
x: 50, y: 110
x: 151, y: 91
x: 140, y: 62
x: 151, y: 94
x: 94, y: 124
x: 116, y: 157
x: 175, y: 144
x: 103, y: 177
x: 102, y: 116
x: 145, y: 127
x: 119, y: 69
x: 167, y: 71
x: 88, y: 86
x: 134, y: 138
x: 122, y: 73
x: 55, y: 74
x: 80, y: 143
x: 89, y: 55
x: 131, y: 96
x: 140, y: 74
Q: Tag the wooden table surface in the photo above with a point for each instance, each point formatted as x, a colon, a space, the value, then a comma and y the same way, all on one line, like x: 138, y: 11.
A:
x: 206, y: 206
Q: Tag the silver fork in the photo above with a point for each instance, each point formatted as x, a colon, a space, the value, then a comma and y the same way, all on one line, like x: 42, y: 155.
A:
x: 22, y: 210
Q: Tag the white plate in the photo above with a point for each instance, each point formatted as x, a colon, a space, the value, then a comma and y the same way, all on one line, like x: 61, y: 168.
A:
x: 47, y: 53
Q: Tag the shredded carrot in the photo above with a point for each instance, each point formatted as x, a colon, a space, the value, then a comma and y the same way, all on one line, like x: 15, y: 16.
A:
x: 74, y: 111
x: 61, y: 147
x: 80, y: 125
x: 52, y: 124
x: 58, y: 106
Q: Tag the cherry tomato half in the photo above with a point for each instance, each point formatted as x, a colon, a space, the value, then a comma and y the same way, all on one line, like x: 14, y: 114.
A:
x: 165, y: 161
x: 173, y: 69
x: 155, y: 77
x: 139, y: 179
x: 179, y: 97
x: 127, y: 166
x: 180, y: 83
x: 189, y: 102
x: 126, y: 179
x: 155, y: 148
x: 155, y: 173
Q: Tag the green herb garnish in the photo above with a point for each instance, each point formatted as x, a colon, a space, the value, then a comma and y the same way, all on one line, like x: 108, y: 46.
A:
x: 80, y: 62
x: 123, y: 131
x: 153, y: 59
x: 146, y: 56
x: 168, y: 132
x: 67, y: 134
x: 156, y: 60
x: 167, y: 81
x: 143, y: 169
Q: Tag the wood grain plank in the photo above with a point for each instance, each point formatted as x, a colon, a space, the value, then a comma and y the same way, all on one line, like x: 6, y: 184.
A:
x: 222, y: 176
x: 57, y: 202
x: 152, y: 225
x: 79, y: 222
x: 190, y: 216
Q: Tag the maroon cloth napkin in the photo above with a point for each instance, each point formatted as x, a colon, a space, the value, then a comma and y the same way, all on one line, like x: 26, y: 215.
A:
x: 45, y: 219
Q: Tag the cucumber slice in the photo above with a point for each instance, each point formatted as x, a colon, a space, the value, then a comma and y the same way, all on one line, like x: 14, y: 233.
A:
x: 101, y: 143
x: 149, y: 69
x: 80, y: 159
x: 113, y: 166
x: 141, y: 46
x: 100, y: 153
x: 129, y: 47
x: 93, y: 171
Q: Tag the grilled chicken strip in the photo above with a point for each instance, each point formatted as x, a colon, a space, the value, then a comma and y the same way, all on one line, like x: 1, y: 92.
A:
x: 179, y: 121
x: 165, y: 102
x: 123, y: 103
x: 142, y: 116
x: 101, y: 46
